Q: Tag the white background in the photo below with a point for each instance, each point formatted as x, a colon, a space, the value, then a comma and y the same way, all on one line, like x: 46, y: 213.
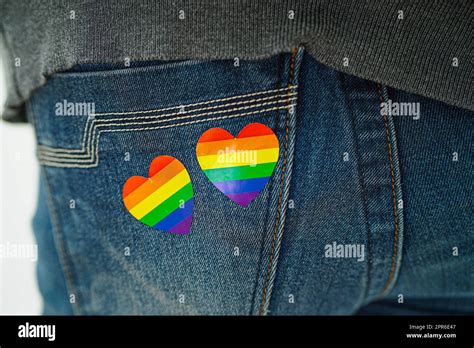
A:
x: 19, y: 173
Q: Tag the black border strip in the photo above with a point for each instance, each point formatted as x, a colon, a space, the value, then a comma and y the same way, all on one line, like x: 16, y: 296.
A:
x: 217, y: 329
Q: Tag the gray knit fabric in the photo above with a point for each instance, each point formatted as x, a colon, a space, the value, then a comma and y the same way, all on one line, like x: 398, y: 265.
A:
x: 425, y: 49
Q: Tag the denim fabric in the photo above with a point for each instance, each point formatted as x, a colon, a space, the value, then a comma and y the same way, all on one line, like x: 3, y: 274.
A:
x: 51, y: 281
x: 93, y: 236
x: 346, y: 174
x: 342, y: 191
x: 436, y: 156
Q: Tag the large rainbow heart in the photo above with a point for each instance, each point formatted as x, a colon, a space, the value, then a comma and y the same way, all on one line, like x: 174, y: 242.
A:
x: 164, y: 200
x: 239, y: 167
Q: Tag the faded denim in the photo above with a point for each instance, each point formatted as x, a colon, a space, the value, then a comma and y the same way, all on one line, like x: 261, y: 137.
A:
x: 346, y: 174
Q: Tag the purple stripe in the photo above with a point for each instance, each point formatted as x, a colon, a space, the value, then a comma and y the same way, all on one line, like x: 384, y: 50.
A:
x: 243, y: 199
x: 240, y: 186
x: 183, y: 227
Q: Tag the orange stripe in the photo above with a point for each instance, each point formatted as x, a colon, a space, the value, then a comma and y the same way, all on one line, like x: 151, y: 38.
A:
x: 239, y: 144
x: 154, y: 183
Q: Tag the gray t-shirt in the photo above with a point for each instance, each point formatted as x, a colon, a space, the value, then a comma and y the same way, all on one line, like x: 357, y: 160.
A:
x: 423, y: 47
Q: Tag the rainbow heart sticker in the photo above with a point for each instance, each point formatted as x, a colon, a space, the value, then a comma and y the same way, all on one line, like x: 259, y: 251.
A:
x: 164, y: 200
x: 239, y: 167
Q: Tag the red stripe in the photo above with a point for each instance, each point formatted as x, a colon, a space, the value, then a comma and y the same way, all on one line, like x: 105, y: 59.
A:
x: 131, y: 184
x: 215, y: 134
x: 158, y: 164
x: 254, y: 129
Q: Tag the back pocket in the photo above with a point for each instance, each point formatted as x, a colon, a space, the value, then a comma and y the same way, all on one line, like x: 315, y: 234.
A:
x: 96, y: 129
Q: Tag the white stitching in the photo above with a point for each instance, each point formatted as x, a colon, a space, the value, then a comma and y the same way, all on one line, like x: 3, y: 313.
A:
x: 91, y: 143
x: 89, y: 129
x: 169, y: 108
x: 196, y: 104
x: 76, y: 165
x: 90, y: 148
x: 199, y: 109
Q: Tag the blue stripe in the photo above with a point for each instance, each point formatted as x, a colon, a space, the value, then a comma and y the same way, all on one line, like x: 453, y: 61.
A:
x: 240, y: 186
x: 176, y: 216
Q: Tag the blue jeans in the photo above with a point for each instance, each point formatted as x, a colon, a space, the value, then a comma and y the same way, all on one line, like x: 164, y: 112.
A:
x: 366, y: 211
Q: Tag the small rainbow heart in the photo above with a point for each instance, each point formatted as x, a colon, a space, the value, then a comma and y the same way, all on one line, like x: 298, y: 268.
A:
x: 239, y: 167
x: 164, y: 200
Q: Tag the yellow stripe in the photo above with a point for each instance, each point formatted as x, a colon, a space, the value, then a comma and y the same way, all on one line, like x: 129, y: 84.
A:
x: 239, y: 158
x: 160, y: 195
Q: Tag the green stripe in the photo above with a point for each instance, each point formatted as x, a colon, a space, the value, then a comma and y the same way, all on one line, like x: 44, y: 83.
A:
x: 240, y: 172
x: 168, y: 206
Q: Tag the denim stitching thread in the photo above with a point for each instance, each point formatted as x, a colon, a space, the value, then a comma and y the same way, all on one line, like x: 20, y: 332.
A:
x: 61, y: 246
x: 194, y: 110
x: 53, y: 149
x: 94, y: 144
x: 76, y: 165
x: 62, y: 250
x: 273, y: 256
x: 92, y: 130
x: 363, y: 184
x: 87, y: 134
x: 194, y: 104
x: 394, y: 195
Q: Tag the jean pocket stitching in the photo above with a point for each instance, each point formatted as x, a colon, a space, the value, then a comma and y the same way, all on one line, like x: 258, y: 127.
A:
x: 88, y: 155
x: 396, y: 214
x: 283, y: 190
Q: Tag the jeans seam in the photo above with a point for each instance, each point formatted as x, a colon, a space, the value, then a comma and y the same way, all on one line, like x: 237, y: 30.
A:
x: 61, y: 152
x: 67, y: 160
x: 68, y: 274
x: 394, y: 198
x: 266, y: 295
x: 139, y: 112
x: 58, y: 238
x: 363, y: 186
x: 122, y: 126
x: 94, y: 161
